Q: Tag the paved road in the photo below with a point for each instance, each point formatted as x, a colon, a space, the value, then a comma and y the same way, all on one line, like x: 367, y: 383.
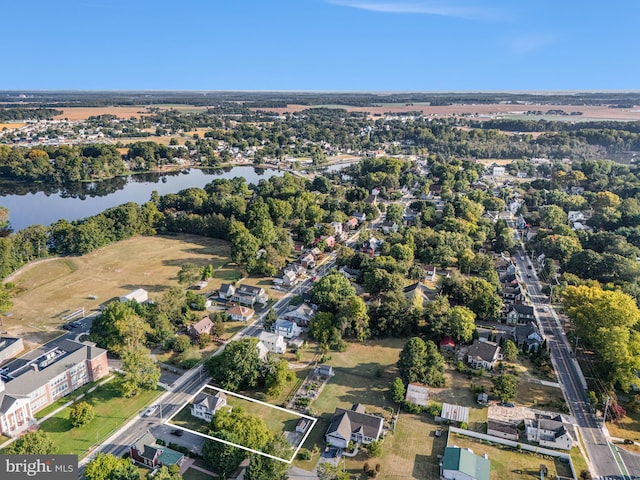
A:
x: 570, y: 376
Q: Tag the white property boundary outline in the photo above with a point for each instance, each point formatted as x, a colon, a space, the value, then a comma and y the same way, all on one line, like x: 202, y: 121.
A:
x: 249, y: 399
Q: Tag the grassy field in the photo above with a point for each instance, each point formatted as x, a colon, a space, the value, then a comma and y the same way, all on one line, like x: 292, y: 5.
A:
x: 47, y: 290
x: 10, y: 126
x: 193, y: 474
x: 509, y: 464
x: 111, y: 409
x: 69, y: 398
x: 82, y: 113
x: 628, y: 427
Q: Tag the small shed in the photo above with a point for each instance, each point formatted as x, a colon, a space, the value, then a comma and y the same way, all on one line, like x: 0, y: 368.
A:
x: 417, y: 394
x: 140, y: 295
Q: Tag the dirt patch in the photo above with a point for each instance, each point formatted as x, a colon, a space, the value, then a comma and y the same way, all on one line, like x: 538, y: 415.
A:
x: 10, y: 126
x: 82, y: 113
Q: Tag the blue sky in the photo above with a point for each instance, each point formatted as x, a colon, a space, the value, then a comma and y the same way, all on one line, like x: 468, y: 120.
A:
x: 357, y: 45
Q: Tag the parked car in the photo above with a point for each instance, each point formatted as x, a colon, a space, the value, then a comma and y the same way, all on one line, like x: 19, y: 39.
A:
x: 438, y: 432
x: 509, y: 404
x: 177, y: 432
x: 150, y: 411
x: 628, y: 441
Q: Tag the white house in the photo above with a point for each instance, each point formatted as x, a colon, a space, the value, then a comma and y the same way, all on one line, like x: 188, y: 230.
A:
x: 498, y: 171
x: 226, y: 291
x: 205, y: 406
x: 483, y: 354
x: 275, y: 343
x: 354, y: 424
x: 549, y: 431
x: 240, y: 314
x: 287, y: 329
x: 300, y: 314
x: 249, y: 295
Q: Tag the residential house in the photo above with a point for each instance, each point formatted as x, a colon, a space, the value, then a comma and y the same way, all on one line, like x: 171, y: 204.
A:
x: 308, y: 261
x: 352, y: 223
x: 34, y: 384
x: 502, y: 429
x: 512, y: 293
x: 317, y: 253
x: 289, y: 278
x: 434, y: 191
x: 353, y: 425
x: 226, y: 291
x: 498, y: 171
x: 301, y: 314
x: 483, y: 354
x: 287, y: 328
x: 389, y: 227
x: 429, y: 272
x: 140, y: 295
x: 504, y: 266
x: 249, y: 295
x: 418, y: 394
x: 337, y: 228
x: 205, y: 406
x: 519, y: 314
x: 371, y: 200
x: 329, y: 241
x: 576, y: 190
x: 417, y: 294
x: 360, y: 217
x: 274, y: 342
x: 203, y: 326
x: 349, y: 272
x: 295, y: 344
x: 528, y: 334
x: 447, y: 344
x: 549, y: 431
x: 263, y: 351
x: 461, y: 464
x: 575, y: 216
x: 324, y: 371
x: 147, y: 452
x: 240, y: 314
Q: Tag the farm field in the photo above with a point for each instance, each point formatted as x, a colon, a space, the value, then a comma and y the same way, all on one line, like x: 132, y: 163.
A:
x: 511, y: 111
x: 11, y: 125
x: 47, y: 290
x: 82, y: 113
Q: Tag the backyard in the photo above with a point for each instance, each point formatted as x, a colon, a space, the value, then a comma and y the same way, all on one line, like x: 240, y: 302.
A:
x: 111, y: 411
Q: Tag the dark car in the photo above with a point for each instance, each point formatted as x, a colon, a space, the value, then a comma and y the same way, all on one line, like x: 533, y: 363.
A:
x: 529, y: 267
x: 628, y: 441
x: 177, y: 432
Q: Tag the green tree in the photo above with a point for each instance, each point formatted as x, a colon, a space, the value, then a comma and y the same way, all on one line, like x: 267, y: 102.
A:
x: 5, y: 300
x: 119, y: 326
x: 510, y: 351
x: 505, y: 387
x: 277, y: 378
x: 264, y: 468
x: 375, y: 448
x: 269, y: 320
x: 328, y: 471
x: 105, y: 466
x: 81, y: 413
x: 166, y: 473
x: 238, y: 367
x: 330, y: 291
x: 398, y: 390
x: 141, y: 372
x: 421, y: 362
x: 461, y: 323
x: 189, y: 273
x: 181, y: 343
x: 32, y: 443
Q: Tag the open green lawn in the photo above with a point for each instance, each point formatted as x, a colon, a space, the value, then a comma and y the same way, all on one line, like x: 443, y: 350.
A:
x: 314, y: 442
x: 193, y: 474
x: 509, y: 464
x: 73, y: 396
x: 184, y: 419
x: 111, y: 409
x: 46, y: 290
x: 277, y: 421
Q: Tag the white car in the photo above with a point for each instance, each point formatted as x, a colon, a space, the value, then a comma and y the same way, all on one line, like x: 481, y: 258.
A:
x: 150, y: 411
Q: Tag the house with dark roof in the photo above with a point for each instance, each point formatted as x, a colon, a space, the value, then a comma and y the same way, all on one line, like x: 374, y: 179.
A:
x: 37, y: 383
x: 483, y: 354
x: 528, y: 334
x: 248, y: 295
x: 10, y: 347
x: 519, y: 314
x: 461, y: 464
x: 286, y: 328
x: 146, y: 452
x: 205, y: 406
x: 418, y: 293
x: 353, y: 425
x: 429, y: 272
x: 226, y: 291
x: 502, y: 429
x: 549, y: 431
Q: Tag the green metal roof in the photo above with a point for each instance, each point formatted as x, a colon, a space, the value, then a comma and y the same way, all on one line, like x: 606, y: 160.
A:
x: 171, y: 457
x: 465, y: 461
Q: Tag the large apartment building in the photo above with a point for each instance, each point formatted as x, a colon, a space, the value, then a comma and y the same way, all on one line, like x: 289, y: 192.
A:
x: 39, y: 382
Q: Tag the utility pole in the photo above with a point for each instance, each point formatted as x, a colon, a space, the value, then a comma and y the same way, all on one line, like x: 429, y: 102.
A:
x: 606, y: 409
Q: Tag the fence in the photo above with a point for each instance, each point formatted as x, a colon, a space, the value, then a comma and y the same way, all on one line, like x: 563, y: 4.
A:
x: 510, y: 443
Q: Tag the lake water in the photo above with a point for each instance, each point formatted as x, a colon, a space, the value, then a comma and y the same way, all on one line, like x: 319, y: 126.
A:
x: 32, y: 204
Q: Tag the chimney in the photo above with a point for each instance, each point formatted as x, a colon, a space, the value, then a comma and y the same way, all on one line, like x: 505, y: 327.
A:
x: 34, y: 366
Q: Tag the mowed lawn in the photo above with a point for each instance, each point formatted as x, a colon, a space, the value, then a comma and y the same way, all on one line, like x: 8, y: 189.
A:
x: 508, y: 464
x: 46, y: 291
x: 111, y: 409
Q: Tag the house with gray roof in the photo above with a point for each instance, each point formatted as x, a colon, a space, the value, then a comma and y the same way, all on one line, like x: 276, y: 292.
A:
x: 483, y: 354
x: 461, y: 464
x: 205, y: 406
x: 353, y: 425
x: 549, y: 431
x: 520, y: 314
x: 529, y: 335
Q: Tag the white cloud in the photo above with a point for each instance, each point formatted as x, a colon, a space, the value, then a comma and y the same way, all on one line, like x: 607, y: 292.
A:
x: 448, y: 9
x: 530, y: 43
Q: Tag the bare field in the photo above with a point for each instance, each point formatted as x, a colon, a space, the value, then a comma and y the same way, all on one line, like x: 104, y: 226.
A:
x: 588, y: 112
x: 82, y: 113
x: 10, y: 126
x: 49, y: 289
